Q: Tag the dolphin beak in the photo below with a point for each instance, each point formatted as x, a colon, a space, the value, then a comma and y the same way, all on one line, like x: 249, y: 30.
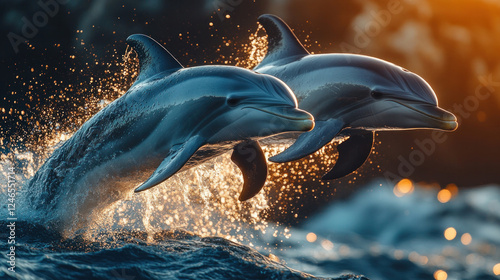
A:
x: 438, y: 118
x: 304, y: 120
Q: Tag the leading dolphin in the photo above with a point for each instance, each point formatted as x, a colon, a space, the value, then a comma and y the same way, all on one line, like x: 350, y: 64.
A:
x: 171, y: 119
x: 348, y: 95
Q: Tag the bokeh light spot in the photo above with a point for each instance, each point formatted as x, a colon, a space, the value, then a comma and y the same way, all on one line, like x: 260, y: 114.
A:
x: 466, y: 239
x: 450, y: 233
x: 311, y: 237
x: 453, y: 189
x: 440, y: 275
x: 404, y: 187
x: 327, y: 245
x: 444, y: 196
x: 496, y: 269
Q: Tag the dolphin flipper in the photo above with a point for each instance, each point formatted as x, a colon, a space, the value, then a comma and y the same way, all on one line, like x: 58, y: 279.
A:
x: 153, y: 57
x: 282, y: 42
x: 175, y: 160
x: 249, y: 157
x: 352, y: 154
x: 310, y: 142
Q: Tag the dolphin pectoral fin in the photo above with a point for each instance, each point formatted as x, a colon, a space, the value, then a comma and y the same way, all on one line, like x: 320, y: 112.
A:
x: 282, y: 42
x: 352, y: 154
x: 153, y: 57
x: 310, y: 142
x: 250, y: 159
x: 172, y: 163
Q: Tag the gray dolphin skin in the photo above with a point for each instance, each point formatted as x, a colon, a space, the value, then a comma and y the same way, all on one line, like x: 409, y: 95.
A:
x: 171, y: 119
x: 348, y: 95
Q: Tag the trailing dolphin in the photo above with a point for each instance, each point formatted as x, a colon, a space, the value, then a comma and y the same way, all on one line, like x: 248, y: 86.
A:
x: 348, y: 95
x: 171, y: 119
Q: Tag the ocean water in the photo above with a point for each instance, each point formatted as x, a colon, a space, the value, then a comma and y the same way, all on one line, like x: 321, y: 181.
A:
x: 414, y: 236
x: 198, y: 230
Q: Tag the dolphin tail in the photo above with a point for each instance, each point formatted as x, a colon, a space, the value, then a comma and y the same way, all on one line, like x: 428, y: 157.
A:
x: 250, y: 159
x: 352, y: 154
x: 175, y: 160
x: 282, y: 42
x: 310, y: 142
x: 153, y: 57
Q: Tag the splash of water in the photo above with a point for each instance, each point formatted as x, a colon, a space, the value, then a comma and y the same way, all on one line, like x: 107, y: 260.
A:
x: 202, y: 200
x: 290, y: 183
x: 252, y: 53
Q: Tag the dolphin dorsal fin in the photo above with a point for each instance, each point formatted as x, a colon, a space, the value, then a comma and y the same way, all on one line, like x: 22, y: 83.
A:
x: 282, y: 42
x: 153, y: 57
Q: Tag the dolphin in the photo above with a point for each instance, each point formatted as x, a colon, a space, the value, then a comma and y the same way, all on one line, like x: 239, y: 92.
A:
x: 349, y: 95
x: 171, y: 119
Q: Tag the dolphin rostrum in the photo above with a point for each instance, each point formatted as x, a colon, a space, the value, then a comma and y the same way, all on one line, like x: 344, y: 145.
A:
x: 171, y: 119
x: 348, y: 95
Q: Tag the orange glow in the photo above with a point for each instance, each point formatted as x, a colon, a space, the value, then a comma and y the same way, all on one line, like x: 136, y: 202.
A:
x: 311, y: 237
x: 481, y: 116
x: 440, y: 275
x: 453, y: 189
x: 466, y: 239
x: 450, y: 233
x: 274, y: 257
x: 496, y: 269
x: 404, y: 187
x: 444, y: 196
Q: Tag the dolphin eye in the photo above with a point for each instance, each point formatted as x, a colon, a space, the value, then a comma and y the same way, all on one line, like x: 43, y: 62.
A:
x: 376, y: 94
x: 233, y: 101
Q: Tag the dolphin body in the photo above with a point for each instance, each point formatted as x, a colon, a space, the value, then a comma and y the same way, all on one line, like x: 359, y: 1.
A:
x: 348, y: 95
x: 171, y: 119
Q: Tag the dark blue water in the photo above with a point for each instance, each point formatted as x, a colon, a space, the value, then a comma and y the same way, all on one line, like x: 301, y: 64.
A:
x: 41, y: 254
x: 390, y: 237
x: 180, y: 233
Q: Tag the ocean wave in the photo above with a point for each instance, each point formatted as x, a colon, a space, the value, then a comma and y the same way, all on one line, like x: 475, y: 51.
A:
x: 175, y: 254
